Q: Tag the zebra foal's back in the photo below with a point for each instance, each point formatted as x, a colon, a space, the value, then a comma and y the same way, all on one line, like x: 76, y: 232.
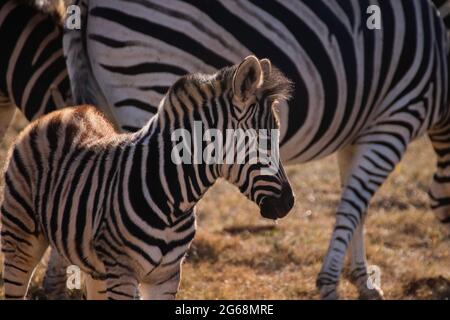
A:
x: 47, y: 155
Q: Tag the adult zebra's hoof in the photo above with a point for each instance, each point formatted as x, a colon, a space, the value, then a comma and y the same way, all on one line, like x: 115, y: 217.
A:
x: 371, y: 294
x: 328, y: 292
x: 366, y: 291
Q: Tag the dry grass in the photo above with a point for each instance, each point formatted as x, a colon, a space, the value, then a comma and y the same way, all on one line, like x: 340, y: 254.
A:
x: 238, y: 255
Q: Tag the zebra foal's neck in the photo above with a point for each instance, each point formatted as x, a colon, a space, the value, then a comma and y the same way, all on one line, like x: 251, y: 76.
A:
x: 194, y: 106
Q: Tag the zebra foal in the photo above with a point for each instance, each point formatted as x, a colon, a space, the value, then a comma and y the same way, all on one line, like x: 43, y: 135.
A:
x: 117, y: 205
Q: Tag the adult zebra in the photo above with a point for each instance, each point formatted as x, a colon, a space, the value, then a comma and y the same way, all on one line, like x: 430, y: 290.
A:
x: 33, y: 74
x: 363, y: 93
x: 117, y: 205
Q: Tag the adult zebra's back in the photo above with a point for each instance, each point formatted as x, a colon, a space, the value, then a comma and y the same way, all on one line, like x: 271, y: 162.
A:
x: 361, y: 92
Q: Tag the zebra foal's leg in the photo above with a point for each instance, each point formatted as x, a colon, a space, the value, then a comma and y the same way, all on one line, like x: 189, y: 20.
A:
x: 439, y: 191
x: 121, y: 281
x: 95, y: 289
x: 21, y: 255
x: 22, y: 251
x: 22, y: 243
x: 165, y: 288
x: 55, y: 277
x: 358, y: 262
x: 372, y: 160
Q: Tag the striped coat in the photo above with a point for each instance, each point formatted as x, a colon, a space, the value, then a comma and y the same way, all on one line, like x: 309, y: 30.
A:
x: 117, y: 205
x: 33, y: 74
x: 362, y: 92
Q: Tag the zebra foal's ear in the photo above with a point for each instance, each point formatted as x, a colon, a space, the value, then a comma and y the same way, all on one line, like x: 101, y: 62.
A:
x: 266, y: 66
x: 247, y: 78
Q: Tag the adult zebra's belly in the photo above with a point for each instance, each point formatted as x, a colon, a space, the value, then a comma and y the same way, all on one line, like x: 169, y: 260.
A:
x: 343, y: 72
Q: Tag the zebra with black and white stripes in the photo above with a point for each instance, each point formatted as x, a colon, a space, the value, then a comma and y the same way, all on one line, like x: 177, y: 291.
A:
x: 117, y: 205
x: 33, y: 73
x: 363, y: 93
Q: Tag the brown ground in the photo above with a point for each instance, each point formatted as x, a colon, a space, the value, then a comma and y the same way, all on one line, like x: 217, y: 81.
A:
x: 238, y: 255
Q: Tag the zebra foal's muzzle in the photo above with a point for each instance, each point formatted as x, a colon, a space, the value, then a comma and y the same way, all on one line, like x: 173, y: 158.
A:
x: 278, y: 207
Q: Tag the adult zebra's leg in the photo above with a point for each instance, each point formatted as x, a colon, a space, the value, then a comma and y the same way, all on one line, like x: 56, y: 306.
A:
x: 55, y: 277
x: 7, y: 111
x: 373, y: 159
x: 440, y: 187
x: 358, y: 268
x: 358, y: 262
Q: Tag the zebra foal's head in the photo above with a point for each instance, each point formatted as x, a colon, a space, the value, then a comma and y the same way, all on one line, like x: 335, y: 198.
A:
x: 256, y: 90
x: 233, y: 113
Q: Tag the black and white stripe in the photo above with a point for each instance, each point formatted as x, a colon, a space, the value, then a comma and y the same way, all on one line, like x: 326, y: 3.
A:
x: 362, y: 93
x: 116, y: 205
x: 33, y: 74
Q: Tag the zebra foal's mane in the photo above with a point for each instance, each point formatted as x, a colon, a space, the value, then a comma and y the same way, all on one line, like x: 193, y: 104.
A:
x: 275, y: 85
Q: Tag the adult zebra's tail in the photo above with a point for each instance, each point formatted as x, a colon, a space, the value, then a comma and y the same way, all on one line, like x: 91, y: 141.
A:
x: 444, y: 9
x: 85, y: 88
